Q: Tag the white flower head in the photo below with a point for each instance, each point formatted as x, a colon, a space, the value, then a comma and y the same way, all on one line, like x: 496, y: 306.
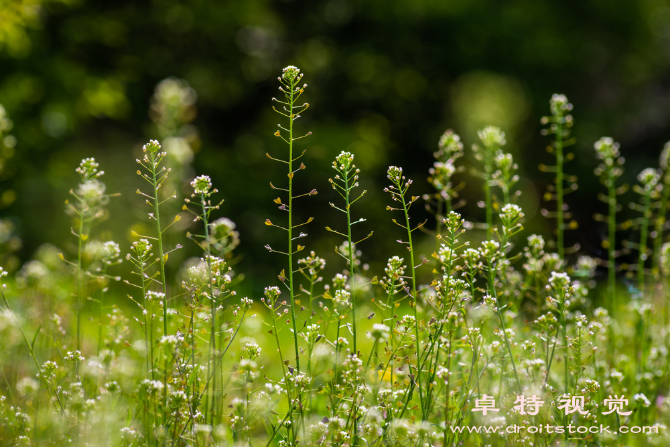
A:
x: 291, y: 73
x: 648, y: 178
x: 492, y: 137
x: 201, y: 184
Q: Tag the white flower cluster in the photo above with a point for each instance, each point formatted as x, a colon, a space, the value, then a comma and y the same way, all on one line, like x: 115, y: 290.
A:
x: 201, y: 184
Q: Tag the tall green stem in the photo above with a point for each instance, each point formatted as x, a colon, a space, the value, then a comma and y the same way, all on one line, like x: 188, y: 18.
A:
x: 494, y: 295
x: 611, y: 241
x: 159, y: 237
x: 290, y: 224
x: 567, y: 357
x: 489, y: 203
x: 147, y: 314
x: 212, y: 341
x: 415, y: 298
x: 660, y: 224
x: 101, y: 308
x: 31, y: 348
x: 283, y: 365
x: 353, y: 290
x: 289, y: 80
x: 351, y: 259
x: 80, y: 279
x: 344, y: 183
x: 559, y: 187
x: 644, y: 231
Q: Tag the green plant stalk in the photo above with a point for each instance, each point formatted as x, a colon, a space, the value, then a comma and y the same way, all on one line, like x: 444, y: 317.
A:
x: 438, y: 217
x: 159, y: 237
x: 559, y: 188
x: 290, y: 225
x: 502, y: 324
x: 217, y: 363
x: 276, y: 430
x: 31, y: 351
x: 432, y: 369
x: 660, y: 223
x: 222, y: 381
x: 433, y: 366
x: 468, y: 393
x: 337, y: 353
x: 102, y: 297
x: 560, y: 320
x: 641, y: 332
x: 506, y: 195
x: 351, y: 257
x: 193, y: 406
x: 567, y: 374
x: 391, y: 360
x: 489, y: 203
x: 666, y: 322
x: 416, y: 318
x: 149, y: 343
x: 389, y: 305
x: 9, y: 387
x: 353, y: 290
x: 80, y: 280
x: 611, y: 240
x: 447, y: 397
x: 445, y: 204
x: 288, y: 383
x: 212, y: 342
x: 491, y: 279
x: 311, y: 294
x: 644, y: 231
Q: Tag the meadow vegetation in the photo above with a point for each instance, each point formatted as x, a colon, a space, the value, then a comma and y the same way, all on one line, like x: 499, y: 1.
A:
x: 340, y: 355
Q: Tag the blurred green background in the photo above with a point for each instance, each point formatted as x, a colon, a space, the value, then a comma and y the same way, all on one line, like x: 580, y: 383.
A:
x: 78, y: 79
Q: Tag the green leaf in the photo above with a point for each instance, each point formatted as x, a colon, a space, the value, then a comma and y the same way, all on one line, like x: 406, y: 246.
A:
x: 37, y: 332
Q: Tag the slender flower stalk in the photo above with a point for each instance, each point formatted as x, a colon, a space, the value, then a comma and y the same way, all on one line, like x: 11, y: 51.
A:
x: 506, y: 177
x: 344, y: 183
x: 392, y: 283
x: 80, y: 271
x: 450, y: 290
x: 101, y: 308
x: 139, y: 256
x: 562, y: 291
x: 202, y: 190
x: 271, y: 301
x: 450, y: 149
x: 560, y: 123
x: 664, y: 266
x: 398, y: 190
x: 662, y: 206
x: 90, y: 199
x: 493, y: 139
x: 648, y: 179
x: 109, y: 256
x: 311, y: 267
x: 156, y: 177
x: 290, y: 80
x: 611, y: 168
x: 494, y: 254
